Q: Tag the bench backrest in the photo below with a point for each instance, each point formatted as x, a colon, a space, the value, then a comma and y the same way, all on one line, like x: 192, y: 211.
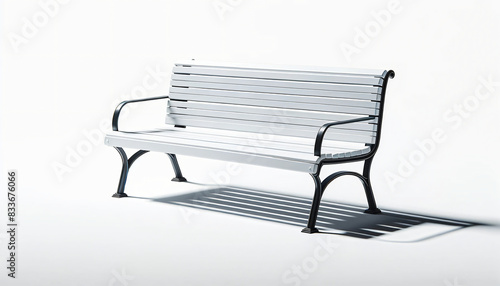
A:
x: 291, y: 101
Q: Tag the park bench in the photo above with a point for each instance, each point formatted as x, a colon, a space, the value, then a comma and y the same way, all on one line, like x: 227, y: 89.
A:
x: 292, y: 118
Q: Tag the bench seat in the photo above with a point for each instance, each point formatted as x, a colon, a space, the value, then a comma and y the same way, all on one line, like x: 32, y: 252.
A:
x: 284, y: 152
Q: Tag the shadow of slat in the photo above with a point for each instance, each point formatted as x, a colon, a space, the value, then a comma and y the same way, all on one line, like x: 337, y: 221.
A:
x: 341, y: 219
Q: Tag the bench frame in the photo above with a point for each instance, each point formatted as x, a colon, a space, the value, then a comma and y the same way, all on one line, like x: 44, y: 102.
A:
x: 320, y: 185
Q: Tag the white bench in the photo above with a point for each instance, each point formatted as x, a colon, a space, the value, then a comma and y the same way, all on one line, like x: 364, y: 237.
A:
x: 274, y: 116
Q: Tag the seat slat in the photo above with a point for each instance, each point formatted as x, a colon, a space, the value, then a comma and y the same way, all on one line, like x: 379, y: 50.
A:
x: 270, y: 128
x: 297, y: 78
x: 278, y: 97
x: 274, y: 89
x: 245, y: 143
x: 327, y: 116
x: 144, y: 142
x: 273, y: 103
x: 234, y: 146
x: 263, y: 139
x: 357, y: 126
x: 293, y: 68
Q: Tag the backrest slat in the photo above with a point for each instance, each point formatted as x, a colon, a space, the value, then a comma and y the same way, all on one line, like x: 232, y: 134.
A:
x: 326, y: 82
x: 277, y: 97
x: 291, y: 68
x: 299, y: 114
x: 370, y: 92
x: 276, y: 117
x: 270, y: 129
x: 273, y: 103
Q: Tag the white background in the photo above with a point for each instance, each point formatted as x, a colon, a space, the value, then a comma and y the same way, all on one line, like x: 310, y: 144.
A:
x: 65, y: 66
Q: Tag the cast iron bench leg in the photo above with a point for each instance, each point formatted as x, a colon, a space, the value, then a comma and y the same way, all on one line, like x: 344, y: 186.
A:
x: 120, y: 193
x: 127, y: 163
x: 318, y: 192
x: 372, y: 205
x: 320, y: 187
x: 178, y: 174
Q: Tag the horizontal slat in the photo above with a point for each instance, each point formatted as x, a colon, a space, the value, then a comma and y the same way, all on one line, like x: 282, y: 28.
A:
x: 270, y: 128
x: 197, y: 113
x: 248, y: 143
x: 280, y: 122
x: 278, y: 97
x: 313, y: 69
x: 327, y: 116
x: 275, y: 89
x: 273, y: 103
x: 232, y: 146
x: 267, y: 138
x: 291, y: 92
x: 144, y: 142
x: 300, y: 77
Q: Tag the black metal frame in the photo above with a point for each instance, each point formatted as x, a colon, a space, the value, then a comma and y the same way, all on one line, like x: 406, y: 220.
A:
x: 320, y: 186
x: 127, y: 162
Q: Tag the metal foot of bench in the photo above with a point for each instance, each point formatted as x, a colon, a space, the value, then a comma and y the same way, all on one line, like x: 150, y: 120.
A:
x: 320, y: 187
x: 373, y: 211
x: 177, y: 170
x: 308, y: 230
x: 119, y: 195
x: 127, y: 163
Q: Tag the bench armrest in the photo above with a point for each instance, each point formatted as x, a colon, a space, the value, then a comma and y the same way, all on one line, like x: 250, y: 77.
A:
x: 118, y: 109
x: 322, y: 131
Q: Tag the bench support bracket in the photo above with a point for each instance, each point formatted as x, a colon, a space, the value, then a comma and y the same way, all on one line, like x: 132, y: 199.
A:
x: 127, y: 163
x: 320, y: 187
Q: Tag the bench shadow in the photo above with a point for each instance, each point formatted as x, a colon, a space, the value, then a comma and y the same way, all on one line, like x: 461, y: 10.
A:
x: 334, y: 218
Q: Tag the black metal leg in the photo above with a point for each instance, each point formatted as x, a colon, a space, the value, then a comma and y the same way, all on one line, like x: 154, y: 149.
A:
x: 135, y: 157
x: 365, y: 179
x: 126, y: 164
x: 120, y: 193
x: 320, y: 187
x: 311, y: 224
x: 372, y: 205
x: 175, y: 164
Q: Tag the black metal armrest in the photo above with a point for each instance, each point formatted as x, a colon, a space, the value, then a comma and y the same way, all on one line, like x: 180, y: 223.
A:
x: 118, y: 109
x: 322, y: 131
